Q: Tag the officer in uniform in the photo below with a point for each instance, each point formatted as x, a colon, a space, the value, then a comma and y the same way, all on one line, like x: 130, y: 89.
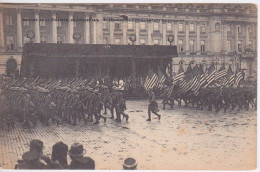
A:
x: 153, y: 106
x: 120, y: 107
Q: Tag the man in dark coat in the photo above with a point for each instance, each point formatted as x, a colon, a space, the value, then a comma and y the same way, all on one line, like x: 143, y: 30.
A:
x: 76, y: 153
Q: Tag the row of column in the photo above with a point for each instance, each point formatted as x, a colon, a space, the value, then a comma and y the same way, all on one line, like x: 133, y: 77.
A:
x: 93, y: 31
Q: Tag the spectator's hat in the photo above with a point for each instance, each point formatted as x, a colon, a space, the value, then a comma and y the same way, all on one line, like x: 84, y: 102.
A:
x: 59, y: 148
x: 130, y: 164
x: 31, y: 157
x: 36, y: 145
x: 76, y: 150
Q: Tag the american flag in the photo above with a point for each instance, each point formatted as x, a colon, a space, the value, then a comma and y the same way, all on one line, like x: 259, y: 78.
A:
x: 230, y: 77
x: 151, y: 80
x: 239, y: 76
x: 221, y: 72
x: 179, y: 76
x: 185, y: 84
x: 197, y: 72
x: 161, y: 79
x: 210, y: 74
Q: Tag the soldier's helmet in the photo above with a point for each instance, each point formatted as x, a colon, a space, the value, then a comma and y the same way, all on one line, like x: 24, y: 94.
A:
x: 36, y: 145
x: 129, y: 164
x: 165, y: 86
x: 31, y: 157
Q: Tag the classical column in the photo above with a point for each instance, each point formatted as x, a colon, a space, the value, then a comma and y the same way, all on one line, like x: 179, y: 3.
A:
x: 70, y: 28
x: 164, y: 33
x: 149, y: 33
x: 137, y: 27
x: 19, y: 29
x: 225, y: 38
x: 176, y: 33
x: 124, y: 28
x: 236, y: 38
x: 93, y: 28
x: 87, y: 29
x: 187, y: 40
x: 198, y: 38
x: 37, y: 26
x: 54, y: 27
x: 2, y: 40
x: 111, y: 32
x: 247, y: 36
x: 99, y: 28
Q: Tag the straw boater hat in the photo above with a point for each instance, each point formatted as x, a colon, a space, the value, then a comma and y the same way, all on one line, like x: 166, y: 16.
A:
x: 76, y: 150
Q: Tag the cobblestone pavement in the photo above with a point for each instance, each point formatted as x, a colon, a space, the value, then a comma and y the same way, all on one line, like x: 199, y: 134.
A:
x: 185, y: 138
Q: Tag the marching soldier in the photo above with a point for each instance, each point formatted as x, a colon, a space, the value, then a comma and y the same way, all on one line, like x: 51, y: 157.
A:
x: 153, y: 106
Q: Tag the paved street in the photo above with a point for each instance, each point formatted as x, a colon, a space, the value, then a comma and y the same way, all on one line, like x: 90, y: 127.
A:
x: 185, y: 138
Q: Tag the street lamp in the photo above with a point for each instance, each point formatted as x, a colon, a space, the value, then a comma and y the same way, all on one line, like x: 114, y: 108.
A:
x: 132, y: 38
x: 77, y: 36
x: 170, y: 39
x: 30, y: 34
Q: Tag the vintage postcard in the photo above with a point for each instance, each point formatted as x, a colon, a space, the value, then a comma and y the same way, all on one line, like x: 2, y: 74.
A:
x: 112, y: 86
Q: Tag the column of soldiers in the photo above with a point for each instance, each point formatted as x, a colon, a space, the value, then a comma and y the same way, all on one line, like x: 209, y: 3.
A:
x: 216, y: 96
x: 30, y: 104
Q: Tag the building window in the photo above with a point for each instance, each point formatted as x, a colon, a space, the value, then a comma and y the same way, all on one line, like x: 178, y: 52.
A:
x: 180, y: 27
x: 180, y: 46
x: 239, y: 45
x: 59, y: 39
x: 169, y: 26
x: 192, y: 46
x: 202, y: 47
x: 250, y: 68
x: 249, y: 29
x: 74, y: 24
x: 250, y: 44
x: 26, y: 21
x: 10, y: 42
x: 156, y: 41
x: 9, y: 20
x: 228, y: 27
x: 142, y: 41
x: 59, y: 23
x: 192, y: 27
x: 155, y: 26
x: 105, y: 25
x: 42, y: 22
x: 43, y: 39
x: 26, y: 39
x: 142, y: 25
x: 117, y: 26
x: 117, y: 41
x: 238, y: 28
x: 228, y: 45
x: 130, y: 25
x: 217, y: 27
x: 203, y: 28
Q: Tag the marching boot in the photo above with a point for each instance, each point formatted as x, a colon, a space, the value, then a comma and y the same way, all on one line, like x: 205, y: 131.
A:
x: 127, y: 117
x: 149, y: 119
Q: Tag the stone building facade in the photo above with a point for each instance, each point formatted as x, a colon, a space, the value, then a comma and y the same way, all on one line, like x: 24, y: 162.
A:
x: 222, y: 33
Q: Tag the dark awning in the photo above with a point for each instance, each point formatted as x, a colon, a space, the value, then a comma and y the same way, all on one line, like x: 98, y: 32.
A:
x: 98, y: 50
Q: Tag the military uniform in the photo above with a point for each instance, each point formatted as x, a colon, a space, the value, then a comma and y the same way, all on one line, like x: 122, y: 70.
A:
x: 153, y: 106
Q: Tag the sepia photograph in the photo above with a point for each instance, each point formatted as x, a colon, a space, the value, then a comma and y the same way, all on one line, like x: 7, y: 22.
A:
x: 128, y: 86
